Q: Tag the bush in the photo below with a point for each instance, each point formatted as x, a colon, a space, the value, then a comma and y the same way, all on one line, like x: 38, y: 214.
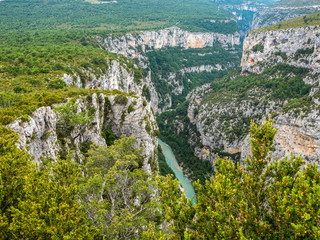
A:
x: 57, y: 84
x: 130, y: 108
x: 258, y: 48
x: 120, y: 99
x: 264, y: 199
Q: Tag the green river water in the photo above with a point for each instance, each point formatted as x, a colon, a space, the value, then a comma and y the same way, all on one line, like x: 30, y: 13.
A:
x: 173, y: 164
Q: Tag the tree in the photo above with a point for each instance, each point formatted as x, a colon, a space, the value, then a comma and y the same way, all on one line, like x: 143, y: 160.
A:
x: 38, y: 204
x: 70, y: 119
x: 264, y: 199
x: 15, y: 165
x: 50, y: 208
x: 119, y: 196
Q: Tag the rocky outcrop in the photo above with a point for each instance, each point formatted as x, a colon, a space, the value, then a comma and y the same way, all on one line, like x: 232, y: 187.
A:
x: 223, y: 124
x: 205, y: 68
x: 175, y: 80
x: 132, y: 45
x: 39, y: 134
x: 223, y: 119
x: 117, y: 76
x: 296, y: 135
x: 271, y: 15
x: 137, y: 45
x: 298, y: 47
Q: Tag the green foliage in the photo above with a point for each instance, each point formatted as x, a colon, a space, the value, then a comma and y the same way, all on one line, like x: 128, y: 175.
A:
x: 172, y: 60
x: 120, y: 99
x: 299, y: 22
x: 146, y: 92
x: 57, y: 84
x: 281, y: 54
x: 111, y: 16
x: 281, y: 87
x: 264, y: 199
x: 258, y: 48
x: 109, y: 136
x: 70, y: 119
x: 41, y: 204
x: 118, y: 195
x: 179, y: 142
x: 13, y: 105
x: 144, y: 103
x: 131, y: 108
x: 110, y: 198
x: 300, y: 52
x: 148, y: 127
x: 299, y: 104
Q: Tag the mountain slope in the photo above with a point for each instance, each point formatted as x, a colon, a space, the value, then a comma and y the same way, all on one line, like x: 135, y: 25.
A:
x: 279, y: 76
x: 283, y: 10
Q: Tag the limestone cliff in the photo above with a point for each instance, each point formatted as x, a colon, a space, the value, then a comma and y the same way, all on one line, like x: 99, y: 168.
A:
x: 138, y: 45
x: 222, y: 117
x: 274, y: 14
x: 298, y: 47
x: 296, y: 134
x: 132, y: 45
x: 39, y: 134
x: 117, y: 76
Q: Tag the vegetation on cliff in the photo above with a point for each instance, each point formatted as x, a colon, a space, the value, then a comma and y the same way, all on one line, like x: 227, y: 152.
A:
x: 264, y: 199
x: 106, y: 196
x: 300, y: 22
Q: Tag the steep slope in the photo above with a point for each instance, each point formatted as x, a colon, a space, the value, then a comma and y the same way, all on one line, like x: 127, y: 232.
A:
x: 108, y: 112
x: 42, y: 71
x: 284, y: 10
x: 170, y: 55
x: 244, y: 11
x: 69, y: 48
x: 279, y: 77
x: 297, y: 47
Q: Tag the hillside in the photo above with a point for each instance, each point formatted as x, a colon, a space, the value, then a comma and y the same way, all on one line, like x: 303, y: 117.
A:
x: 112, y: 15
x: 297, y: 3
x: 300, y: 22
x: 89, y: 87
x: 282, y: 11
x: 279, y: 75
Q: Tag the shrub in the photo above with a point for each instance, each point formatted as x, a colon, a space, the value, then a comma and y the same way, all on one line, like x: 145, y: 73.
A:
x: 57, y: 84
x: 264, y: 199
x: 130, y: 108
x: 258, y: 48
x: 120, y: 99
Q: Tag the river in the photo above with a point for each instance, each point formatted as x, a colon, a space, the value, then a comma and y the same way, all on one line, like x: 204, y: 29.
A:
x: 173, y: 164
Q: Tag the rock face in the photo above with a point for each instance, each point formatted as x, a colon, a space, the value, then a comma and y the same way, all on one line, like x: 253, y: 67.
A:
x: 131, y: 45
x: 117, y: 76
x: 271, y: 15
x: 222, y: 118
x: 223, y: 125
x: 298, y: 47
x: 39, y: 134
x: 137, y: 45
x: 297, y: 135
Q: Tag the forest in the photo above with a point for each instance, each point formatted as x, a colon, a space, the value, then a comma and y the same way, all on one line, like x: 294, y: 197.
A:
x: 106, y: 196
x: 119, y: 16
x: 110, y: 191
